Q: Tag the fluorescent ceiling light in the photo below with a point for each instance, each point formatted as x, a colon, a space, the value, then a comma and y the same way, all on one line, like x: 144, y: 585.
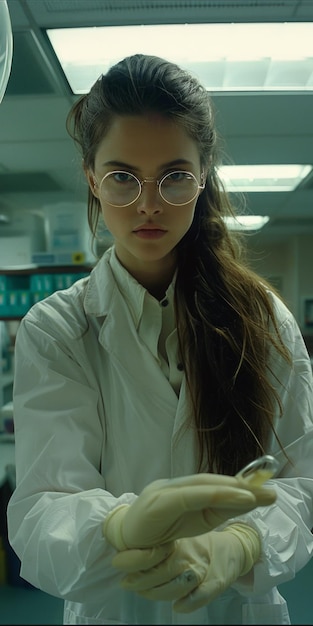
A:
x: 263, y: 178
x: 225, y: 57
x: 246, y: 222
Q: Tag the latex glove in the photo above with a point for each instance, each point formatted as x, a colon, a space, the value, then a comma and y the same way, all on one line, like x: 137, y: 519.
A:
x: 181, y: 507
x: 198, y: 569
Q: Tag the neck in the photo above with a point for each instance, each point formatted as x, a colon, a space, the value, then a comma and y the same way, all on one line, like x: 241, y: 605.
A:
x: 154, y: 283
x: 153, y: 276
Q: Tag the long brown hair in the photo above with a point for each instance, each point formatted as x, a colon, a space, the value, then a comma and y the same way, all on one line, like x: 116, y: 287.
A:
x: 226, y: 324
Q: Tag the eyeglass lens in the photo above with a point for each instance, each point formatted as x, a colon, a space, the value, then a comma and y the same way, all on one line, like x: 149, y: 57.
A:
x: 122, y: 188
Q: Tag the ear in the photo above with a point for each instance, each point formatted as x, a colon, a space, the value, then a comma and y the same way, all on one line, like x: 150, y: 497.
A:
x: 92, y: 182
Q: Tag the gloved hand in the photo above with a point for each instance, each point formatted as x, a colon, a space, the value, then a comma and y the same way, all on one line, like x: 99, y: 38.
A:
x: 181, y: 507
x: 197, y: 570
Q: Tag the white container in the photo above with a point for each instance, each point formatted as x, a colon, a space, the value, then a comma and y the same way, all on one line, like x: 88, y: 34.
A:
x: 15, y: 251
x: 67, y: 230
x: 21, y: 236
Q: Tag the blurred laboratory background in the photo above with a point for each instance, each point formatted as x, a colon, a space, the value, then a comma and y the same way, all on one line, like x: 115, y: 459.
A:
x: 256, y: 59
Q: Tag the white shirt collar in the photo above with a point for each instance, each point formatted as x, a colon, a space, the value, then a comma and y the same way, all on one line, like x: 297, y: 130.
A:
x: 133, y: 292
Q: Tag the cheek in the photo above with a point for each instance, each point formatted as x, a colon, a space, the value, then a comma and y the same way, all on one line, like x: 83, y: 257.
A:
x: 114, y: 218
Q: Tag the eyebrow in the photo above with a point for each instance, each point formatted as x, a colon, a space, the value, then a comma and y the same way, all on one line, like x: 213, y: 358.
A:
x: 127, y: 166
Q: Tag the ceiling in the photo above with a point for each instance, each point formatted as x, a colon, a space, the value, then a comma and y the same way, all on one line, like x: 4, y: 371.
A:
x: 39, y: 164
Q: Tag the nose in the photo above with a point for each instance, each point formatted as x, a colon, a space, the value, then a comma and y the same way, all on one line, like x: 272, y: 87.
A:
x: 149, y: 201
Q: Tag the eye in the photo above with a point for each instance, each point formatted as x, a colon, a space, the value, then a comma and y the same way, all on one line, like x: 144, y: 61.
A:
x: 178, y: 177
x: 122, y: 177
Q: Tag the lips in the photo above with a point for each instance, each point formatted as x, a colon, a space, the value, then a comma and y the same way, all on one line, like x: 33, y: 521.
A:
x: 149, y: 227
x: 149, y: 231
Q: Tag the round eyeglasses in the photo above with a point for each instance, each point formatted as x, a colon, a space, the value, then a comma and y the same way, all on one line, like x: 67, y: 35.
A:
x: 121, y: 188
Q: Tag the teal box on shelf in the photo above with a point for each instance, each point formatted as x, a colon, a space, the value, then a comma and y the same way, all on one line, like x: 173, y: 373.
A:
x: 19, y: 302
x: 14, y: 303
x: 24, y: 301
x: 42, y: 282
x: 63, y: 281
x: 19, y: 292
x: 3, y: 300
x: 15, y: 298
x: 39, y: 295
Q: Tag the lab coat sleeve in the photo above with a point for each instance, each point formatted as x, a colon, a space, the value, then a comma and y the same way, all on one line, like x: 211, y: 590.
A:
x: 56, y: 512
x: 285, y: 527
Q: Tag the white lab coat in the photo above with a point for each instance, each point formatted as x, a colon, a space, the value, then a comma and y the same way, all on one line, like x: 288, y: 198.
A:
x: 95, y: 421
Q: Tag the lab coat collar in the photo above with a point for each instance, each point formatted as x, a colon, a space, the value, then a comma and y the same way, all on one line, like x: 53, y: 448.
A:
x: 103, y: 286
x: 109, y: 277
x: 133, y: 292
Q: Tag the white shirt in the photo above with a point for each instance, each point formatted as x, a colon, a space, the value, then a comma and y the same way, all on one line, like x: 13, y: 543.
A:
x: 153, y: 320
x: 97, y: 418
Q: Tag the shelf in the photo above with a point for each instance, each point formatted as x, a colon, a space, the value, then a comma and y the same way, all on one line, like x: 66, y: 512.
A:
x: 11, y: 318
x: 44, y: 269
x: 23, y: 286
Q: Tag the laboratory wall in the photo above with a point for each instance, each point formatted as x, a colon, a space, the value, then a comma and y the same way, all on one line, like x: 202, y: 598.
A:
x: 288, y: 264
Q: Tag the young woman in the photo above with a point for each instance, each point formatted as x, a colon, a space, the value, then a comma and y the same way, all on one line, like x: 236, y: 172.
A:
x: 142, y: 390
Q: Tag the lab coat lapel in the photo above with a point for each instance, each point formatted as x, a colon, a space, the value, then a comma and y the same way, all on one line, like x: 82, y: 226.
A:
x: 131, y: 355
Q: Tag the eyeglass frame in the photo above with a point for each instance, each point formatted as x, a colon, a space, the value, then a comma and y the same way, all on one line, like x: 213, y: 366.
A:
x: 151, y: 179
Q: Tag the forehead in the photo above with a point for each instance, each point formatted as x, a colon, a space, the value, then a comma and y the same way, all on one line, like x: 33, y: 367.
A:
x: 148, y: 140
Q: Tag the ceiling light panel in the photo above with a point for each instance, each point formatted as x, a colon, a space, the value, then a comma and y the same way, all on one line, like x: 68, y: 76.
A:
x: 54, y: 13
x: 225, y: 57
x: 246, y: 222
x: 263, y: 178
